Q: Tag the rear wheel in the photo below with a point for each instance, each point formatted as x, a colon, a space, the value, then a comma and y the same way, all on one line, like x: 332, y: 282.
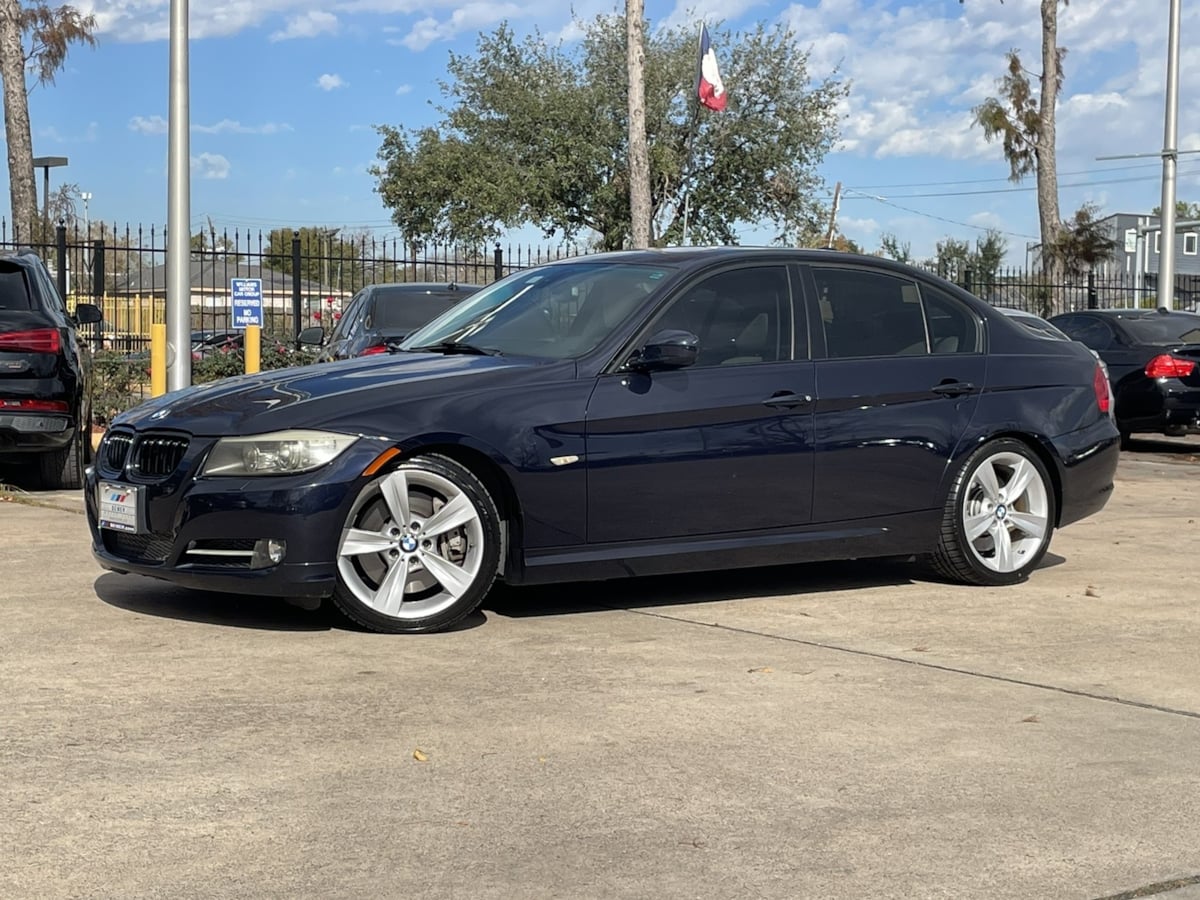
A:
x: 999, y: 517
x: 420, y: 548
x: 62, y: 470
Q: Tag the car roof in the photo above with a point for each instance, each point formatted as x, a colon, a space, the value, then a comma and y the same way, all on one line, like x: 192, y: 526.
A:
x: 1134, y: 313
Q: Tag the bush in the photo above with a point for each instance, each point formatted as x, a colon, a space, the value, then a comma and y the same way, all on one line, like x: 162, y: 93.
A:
x: 218, y: 365
x: 118, y: 384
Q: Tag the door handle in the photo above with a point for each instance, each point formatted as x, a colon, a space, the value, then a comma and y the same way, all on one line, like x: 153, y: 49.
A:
x: 787, y: 400
x: 953, y: 388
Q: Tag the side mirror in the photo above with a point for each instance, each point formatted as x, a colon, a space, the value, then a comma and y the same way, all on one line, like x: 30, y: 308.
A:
x: 666, y: 350
x: 87, y: 314
x: 312, y: 337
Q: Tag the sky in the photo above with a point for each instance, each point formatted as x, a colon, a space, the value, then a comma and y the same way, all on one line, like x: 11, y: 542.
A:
x: 286, y: 94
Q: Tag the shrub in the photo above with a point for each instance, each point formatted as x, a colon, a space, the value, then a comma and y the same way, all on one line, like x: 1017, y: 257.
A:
x: 118, y: 383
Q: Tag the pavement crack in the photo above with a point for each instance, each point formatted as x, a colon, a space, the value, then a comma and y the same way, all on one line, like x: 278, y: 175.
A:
x: 1159, y: 887
x: 937, y: 667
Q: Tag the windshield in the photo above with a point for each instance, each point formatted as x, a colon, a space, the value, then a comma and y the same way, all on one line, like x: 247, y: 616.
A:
x: 554, y: 312
x: 1171, y: 328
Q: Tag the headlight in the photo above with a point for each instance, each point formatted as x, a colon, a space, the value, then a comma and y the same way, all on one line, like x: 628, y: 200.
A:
x: 280, y: 453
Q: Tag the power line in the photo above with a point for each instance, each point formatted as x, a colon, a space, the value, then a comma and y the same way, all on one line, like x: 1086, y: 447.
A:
x: 914, y: 184
x: 917, y: 212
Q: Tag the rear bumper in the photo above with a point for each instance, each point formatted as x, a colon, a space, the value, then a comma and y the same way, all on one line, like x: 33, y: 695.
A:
x: 1163, y: 405
x: 34, y: 433
x: 1089, y: 461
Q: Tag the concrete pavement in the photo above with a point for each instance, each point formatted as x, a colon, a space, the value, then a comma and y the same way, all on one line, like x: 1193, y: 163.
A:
x: 840, y: 730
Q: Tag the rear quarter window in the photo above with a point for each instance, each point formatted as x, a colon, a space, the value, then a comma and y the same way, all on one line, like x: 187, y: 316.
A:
x: 14, y: 290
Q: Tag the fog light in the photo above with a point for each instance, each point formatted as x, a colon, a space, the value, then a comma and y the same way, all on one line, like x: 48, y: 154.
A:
x: 268, y: 552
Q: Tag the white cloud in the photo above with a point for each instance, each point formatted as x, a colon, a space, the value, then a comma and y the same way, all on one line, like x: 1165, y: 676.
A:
x: 148, y: 124
x: 211, y: 166
x: 330, y: 82
x: 230, y: 126
x: 310, y: 24
x: 472, y: 16
x: 403, y: 89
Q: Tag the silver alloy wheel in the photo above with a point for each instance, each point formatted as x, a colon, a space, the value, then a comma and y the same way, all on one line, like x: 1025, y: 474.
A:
x: 412, y: 545
x: 1006, y: 513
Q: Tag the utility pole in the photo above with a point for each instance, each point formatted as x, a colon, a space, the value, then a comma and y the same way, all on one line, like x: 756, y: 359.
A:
x: 837, y: 199
x: 179, y: 191
x: 639, y: 154
x: 1166, y: 262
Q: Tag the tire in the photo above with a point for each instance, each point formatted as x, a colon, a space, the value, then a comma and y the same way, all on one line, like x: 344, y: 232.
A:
x: 62, y: 470
x: 1126, y: 440
x: 419, y: 550
x: 991, y: 536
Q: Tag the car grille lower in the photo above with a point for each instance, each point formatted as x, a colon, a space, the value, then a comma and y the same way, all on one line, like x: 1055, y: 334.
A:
x: 226, y: 553
x: 145, y: 548
x: 149, y: 456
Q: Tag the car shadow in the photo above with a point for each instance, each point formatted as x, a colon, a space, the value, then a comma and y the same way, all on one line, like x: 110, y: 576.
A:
x: 658, y: 591
x: 1186, y: 449
x: 150, y: 597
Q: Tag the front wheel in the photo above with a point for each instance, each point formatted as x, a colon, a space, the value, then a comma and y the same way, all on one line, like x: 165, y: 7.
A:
x: 420, y: 548
x: 999, y: 517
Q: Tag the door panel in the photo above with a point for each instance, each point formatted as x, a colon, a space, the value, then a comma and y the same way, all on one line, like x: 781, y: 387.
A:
x: 699, y: 452
x: 900, y: 383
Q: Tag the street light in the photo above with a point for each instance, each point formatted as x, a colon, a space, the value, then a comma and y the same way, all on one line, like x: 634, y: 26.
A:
x: 46, y: 163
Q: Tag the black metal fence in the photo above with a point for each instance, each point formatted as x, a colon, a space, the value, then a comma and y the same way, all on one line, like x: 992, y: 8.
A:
x: 307, y: 278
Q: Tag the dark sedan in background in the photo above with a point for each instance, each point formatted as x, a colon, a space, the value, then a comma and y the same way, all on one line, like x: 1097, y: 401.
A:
x: 383, y: 315
x: 621, y: 414
x: 1152, y: 358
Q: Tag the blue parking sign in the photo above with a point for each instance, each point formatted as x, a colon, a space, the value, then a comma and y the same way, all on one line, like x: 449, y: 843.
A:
x: 246, y: 296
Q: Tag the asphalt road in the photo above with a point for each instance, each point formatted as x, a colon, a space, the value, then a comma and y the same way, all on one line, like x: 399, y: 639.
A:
x: 841, y: 730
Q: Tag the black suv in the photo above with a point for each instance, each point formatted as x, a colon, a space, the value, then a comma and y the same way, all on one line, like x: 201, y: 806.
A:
x: 45, y: 373
x: 384, y: 314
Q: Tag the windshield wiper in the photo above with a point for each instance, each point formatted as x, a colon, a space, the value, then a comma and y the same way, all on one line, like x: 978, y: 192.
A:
x: 455, y: 347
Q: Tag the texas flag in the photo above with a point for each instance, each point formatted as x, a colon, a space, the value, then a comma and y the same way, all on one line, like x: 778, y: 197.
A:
x: 709, y: 87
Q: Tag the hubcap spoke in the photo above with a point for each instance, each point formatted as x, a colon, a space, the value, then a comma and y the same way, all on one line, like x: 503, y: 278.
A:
x: 454, y: 579
x: 1034, y: 526
x: 395, y: 495
x: 390, y: 595
x: 1004, y: 547
x: 985, y: 476
x: 1022, y: 475
x: 458, y: 511
x: 977, y: 526
x: 358, y: 542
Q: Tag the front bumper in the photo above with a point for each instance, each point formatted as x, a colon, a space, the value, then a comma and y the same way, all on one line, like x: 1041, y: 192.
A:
x: 182, y: 513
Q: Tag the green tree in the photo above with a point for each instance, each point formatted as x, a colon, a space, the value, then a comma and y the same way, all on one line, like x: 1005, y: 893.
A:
x: 1184, y: 211
x: 535, y: 133
x: 989, y: 254
x: 891, y: 247
x: 34, y: 37
x: 1082, y: 242
x: 1025, y: 123
x: 326, y: 258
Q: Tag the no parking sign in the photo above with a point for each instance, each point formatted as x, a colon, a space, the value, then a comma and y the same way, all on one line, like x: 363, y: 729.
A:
x: 246, y: 296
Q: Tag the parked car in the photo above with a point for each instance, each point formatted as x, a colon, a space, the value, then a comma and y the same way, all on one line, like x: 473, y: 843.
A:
x: 205, y: 342
x: 45, y: 373
x: 1152, y: 360
x: 621, y: 414
x: 382, y: 315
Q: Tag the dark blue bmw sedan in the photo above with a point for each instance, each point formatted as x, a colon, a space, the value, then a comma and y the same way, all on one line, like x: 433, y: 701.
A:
x: 621, y: 414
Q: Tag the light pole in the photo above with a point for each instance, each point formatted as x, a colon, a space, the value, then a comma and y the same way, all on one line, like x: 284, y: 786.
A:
x: 46, y: 163
x: 86, y: 197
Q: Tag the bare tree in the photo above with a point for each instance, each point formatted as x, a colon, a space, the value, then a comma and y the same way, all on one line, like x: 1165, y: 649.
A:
x: 19, y: 140
x: 1026, y: 125
x: 639, y: 154
x: 50, y: 32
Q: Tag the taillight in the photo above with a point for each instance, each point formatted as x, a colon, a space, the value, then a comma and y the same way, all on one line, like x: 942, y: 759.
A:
x: 40, y: 340
x: 371, y: 351
x: 35, y: 405
x: 1103, y: 392
x: 1166, y: 366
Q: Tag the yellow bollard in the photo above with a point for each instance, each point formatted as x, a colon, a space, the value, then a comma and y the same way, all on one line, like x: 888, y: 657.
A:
x: 158, y: 359
x: 253, y: 344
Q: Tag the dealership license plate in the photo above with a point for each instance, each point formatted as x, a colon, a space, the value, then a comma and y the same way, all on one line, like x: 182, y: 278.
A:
x: 120, y: 507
